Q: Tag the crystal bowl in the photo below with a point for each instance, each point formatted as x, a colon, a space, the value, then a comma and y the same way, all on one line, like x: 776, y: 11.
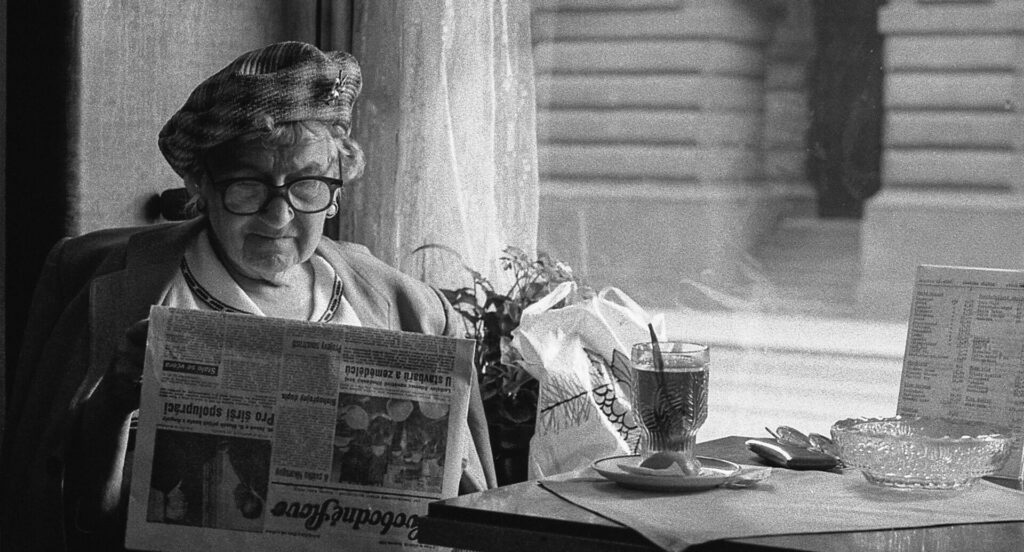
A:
x: 920, y: 452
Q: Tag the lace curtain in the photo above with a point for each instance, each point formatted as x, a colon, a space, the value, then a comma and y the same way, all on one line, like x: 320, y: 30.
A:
x: 447, y: 121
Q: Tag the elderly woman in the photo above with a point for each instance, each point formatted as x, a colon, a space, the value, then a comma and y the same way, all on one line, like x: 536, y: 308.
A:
x: 263, y: 147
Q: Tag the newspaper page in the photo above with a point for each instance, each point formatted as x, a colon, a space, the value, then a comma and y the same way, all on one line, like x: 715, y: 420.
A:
x: 965, y: 350
x: 267, y: 434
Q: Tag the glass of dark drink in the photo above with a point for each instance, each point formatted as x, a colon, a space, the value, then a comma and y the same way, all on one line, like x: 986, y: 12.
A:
x: 671, y: 394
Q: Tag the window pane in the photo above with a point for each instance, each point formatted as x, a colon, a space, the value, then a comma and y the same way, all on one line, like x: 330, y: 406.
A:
x: 751, y: 173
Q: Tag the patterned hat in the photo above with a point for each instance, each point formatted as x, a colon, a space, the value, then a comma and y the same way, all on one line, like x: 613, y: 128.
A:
x: 289, y: 81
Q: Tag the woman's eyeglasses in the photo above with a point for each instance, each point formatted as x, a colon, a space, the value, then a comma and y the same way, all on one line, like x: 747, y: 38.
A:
x: 305, y: 194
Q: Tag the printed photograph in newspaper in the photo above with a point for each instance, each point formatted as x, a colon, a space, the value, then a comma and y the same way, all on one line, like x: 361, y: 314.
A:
x: 387, y: 442
x: 207, y: 480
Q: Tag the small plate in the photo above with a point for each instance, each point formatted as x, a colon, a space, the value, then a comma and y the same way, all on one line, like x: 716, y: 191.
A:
x: 713, y: 472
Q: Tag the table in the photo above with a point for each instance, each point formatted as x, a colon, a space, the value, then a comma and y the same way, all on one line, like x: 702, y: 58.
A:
x: 525, y: 516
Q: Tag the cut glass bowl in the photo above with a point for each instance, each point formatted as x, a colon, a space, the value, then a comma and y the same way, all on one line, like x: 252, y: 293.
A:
x: 920, y: 452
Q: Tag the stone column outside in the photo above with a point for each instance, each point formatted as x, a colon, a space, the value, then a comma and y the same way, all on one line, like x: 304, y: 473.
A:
x: 650, y: 140
x: 953, y: 161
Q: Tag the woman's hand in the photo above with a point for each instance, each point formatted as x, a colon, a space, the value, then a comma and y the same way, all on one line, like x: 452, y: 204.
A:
x: 122, y: 382
x: 100, y: 447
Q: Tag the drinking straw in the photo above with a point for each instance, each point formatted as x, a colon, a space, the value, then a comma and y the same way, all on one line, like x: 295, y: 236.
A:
x: 659, y: 361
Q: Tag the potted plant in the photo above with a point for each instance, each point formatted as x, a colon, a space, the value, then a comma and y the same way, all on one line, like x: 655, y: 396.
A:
x: 509, y: 392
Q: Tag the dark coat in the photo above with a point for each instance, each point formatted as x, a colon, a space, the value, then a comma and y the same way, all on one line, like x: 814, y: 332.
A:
x: 91, y: 289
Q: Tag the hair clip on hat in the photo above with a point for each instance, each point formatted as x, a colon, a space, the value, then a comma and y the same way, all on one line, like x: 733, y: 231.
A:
x: 334, y: 96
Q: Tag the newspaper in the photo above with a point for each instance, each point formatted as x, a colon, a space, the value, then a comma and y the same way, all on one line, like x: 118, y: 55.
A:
x: 965, y: 350
x: 267, y: 434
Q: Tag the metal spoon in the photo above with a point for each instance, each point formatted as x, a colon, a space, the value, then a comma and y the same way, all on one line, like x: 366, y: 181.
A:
x: 823, y: 444
x: 790, y: 436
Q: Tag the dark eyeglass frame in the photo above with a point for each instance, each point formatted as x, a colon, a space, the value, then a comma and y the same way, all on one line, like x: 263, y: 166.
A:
x: 283, y: 191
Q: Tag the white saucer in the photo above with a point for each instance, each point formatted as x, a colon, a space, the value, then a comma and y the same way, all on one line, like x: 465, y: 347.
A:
x: 713, y: 473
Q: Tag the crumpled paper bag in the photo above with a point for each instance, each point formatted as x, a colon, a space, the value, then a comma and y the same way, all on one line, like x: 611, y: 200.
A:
x: 580, y: 356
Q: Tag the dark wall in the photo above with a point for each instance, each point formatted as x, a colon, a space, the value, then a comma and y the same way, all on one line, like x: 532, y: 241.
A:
x: 3, y: 212
x: 40, y: 94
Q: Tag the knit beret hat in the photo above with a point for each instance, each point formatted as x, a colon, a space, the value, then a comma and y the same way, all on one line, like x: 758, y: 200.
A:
x: 288, y: 81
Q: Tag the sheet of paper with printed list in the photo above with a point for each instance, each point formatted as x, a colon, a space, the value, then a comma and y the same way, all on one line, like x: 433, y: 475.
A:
x: 965, y: 349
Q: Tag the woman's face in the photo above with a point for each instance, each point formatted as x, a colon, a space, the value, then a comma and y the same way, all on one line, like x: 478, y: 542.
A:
x: 265, y: 246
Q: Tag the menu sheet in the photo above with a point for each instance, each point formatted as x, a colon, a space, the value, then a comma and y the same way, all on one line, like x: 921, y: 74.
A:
x: 965, y: 350
x: 267, y: 434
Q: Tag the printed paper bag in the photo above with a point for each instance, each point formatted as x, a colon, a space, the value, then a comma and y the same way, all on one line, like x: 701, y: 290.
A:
x: 580, y: 356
